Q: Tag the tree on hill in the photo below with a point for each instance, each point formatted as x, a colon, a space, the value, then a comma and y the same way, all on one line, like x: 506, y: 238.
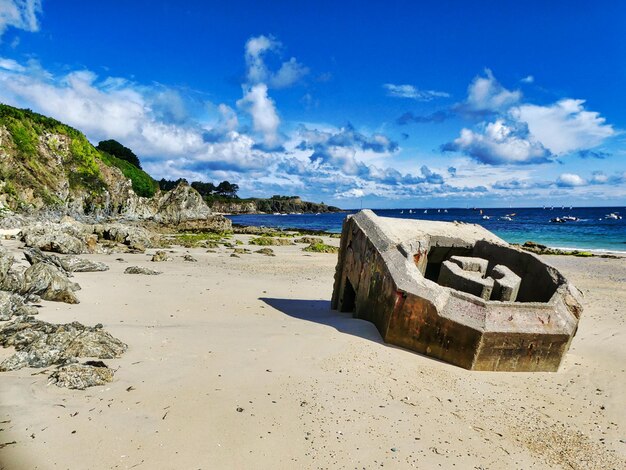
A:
x: 113, y: 147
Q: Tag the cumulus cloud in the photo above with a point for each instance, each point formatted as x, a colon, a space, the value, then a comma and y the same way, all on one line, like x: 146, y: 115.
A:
x: 486, y: 95
x: 412, y: 92
x: 346, y: 136
x: 570, y: 180
x: 564, y: 126
x: 289, y: 72
x: 528, y: 79
x: 500, y: 143
x: 262, y: 109
x: 19, y: 14
x: 524, y: 133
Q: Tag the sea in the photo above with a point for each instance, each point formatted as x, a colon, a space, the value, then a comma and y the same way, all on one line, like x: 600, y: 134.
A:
x: 593, y: 230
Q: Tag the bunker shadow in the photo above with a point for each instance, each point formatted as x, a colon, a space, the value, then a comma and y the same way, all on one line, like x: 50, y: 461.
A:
x: 319, y: 311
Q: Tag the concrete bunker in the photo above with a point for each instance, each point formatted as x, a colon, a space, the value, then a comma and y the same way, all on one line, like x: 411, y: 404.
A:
x: 455, y: 292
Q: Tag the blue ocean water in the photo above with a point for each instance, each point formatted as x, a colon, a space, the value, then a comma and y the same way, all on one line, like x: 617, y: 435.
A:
x: 593, y: 231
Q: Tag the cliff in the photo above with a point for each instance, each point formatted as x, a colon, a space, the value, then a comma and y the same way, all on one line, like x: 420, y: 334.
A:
x: 276, y: 204
x: 46, y: 165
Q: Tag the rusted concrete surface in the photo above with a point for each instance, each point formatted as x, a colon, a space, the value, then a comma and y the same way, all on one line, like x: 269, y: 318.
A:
x: 388, y: 270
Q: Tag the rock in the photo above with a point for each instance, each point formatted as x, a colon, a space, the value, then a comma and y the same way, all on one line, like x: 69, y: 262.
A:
x: 50, y: 283
x: 309, y: 240
x: 68, y: 263
x: 13, y: 305
x: 181, y: 204
x: 136, y: 238
x: 81, y: 376
x: 270, y: 241
x: 159, y: 256
x: 266, y: 252
x: 74, y: 264
x: 241, y: 251
x: 41, y: 344
x: 60, y: 238
x: 190, y: 259
x: 140, y: 270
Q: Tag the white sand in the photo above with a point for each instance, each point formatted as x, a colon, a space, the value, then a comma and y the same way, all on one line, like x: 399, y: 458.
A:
x: 318, y: 389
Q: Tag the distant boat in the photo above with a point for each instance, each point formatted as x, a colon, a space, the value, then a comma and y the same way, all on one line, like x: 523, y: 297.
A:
x: 570, y: 218
x: 410, y: 211
x: 486, y: 217
x: 401, y: 212
x: 506, y: 217
x: 426, y: 211
x: 557, y: 220
x: 613, y: 216
x: 446, y: 211
x: 438, y: 210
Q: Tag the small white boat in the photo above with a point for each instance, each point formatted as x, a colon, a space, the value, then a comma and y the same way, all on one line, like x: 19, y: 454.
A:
x: 486, y: 217
x: 410, y: 211
x: 446, y: 211
x: 506, y: 217
x: 401, y: 212
x: 570, y: 218
x: 426, y: 212
x: 613, y: 216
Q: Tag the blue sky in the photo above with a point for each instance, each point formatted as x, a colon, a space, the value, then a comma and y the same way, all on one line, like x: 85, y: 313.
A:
x: 388, y: 104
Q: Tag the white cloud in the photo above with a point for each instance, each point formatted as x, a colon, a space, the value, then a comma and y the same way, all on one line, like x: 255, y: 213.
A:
x: 486, y: 94
x: 263, y: 111
x: 255, y: 48
x: 11, y: 65
x: 289, y: 73
x: 564, y: 126
x: 500, y: 143
x: 20, y: 14
x: 570, y: 180
x: 528, y: 79
x: 409, y: 91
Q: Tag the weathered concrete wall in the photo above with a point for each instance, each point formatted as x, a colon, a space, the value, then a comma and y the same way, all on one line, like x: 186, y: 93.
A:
x: 380, y: 277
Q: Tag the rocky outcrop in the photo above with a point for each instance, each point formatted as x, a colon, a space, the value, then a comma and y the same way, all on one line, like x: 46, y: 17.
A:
x: 141, y: 270
x: 69, y: 264
x: 14, y: 305
x: 50, y: 283
x: 62, y: 238
x: 81, y: 376
x: 41, y: 344
x: 160, y: 256
x: 234, y: 207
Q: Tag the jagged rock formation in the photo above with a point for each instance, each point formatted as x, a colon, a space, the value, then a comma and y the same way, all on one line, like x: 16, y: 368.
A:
x: 81, y: 376
x: 141, y: 270
x: 13, y: 305
x: 69, y: 264
x: 49, y: 283
x: 46, y: 165
x: 41, y: 344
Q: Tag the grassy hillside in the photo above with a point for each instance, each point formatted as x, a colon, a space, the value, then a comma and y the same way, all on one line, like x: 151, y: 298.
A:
x: 45, y: 162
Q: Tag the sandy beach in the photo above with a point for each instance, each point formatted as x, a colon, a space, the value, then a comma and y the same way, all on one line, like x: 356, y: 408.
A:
x: 240, y: 363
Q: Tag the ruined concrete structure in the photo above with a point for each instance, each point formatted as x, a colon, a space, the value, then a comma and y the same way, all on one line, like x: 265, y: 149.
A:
x: 455, y: 292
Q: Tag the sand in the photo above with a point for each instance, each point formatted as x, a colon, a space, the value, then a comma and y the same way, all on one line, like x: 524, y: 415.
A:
x: 240, y: 363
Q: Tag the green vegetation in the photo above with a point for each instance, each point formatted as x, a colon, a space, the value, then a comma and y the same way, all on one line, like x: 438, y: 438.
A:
x: 209, y: 240
x: 321, y: 248
x: 85, y: 171
x: 143, y: 184
x: 269, y: 241
x: 114, y: 148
